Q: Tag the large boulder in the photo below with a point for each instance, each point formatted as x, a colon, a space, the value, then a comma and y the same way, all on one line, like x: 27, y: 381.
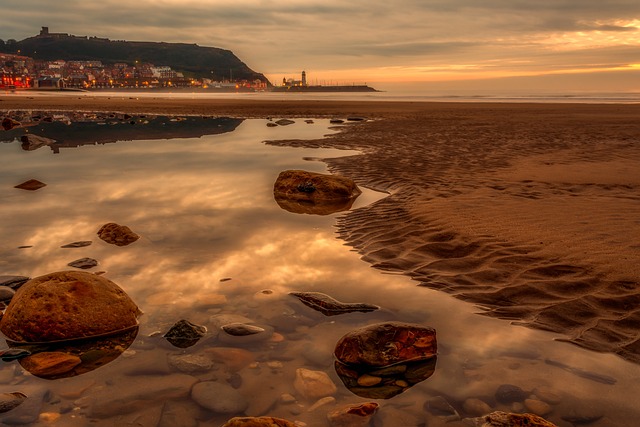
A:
x: 300, y: 191
x: 67, y: 305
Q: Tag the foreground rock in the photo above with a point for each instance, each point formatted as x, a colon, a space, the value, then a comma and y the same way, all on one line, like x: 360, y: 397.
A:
x: 313, y: 193
x: 258, y: 422
x: 386, y: 344
x: 119, y: 235
x: 67, y: 305
x: 503, y: 419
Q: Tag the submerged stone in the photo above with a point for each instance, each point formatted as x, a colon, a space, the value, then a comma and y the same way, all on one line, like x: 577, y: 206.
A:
x: 241, y: 329
x: 504, y: 419
x: 83, y: 263
x: 258, y: 422
x: 330, y: 306
x: 80, y: 244
x: 50, y: 364
x: 184, y: 334
x: 9, y: 401
x: 67, y: 305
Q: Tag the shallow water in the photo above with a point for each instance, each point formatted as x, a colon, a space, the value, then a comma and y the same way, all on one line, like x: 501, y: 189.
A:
x: 213, y: 241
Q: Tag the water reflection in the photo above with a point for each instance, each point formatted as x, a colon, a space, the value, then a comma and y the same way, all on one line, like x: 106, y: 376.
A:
x: 212, y: 241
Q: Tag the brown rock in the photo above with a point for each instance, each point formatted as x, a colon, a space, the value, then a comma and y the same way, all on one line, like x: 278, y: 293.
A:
x: 50, y: 364
x: 67, y: 305
x: 32, y: 142
x: 503, y: 419
x: 385, y: 344
x: 31, y: 185
x: 258, y: 422
x: 8, y: 123
x: 119, y: 235
x: 353, y: 415
x: 313, y: 384
x: 313, y: 193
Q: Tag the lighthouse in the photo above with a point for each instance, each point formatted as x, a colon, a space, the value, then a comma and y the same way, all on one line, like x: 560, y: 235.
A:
x: 304, y: 78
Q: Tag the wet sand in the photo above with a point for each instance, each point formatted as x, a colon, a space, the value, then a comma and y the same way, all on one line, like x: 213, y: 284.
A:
x: 531, y: 211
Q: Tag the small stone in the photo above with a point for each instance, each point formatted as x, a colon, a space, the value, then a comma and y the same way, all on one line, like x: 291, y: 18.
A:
x: 8, y: 123
x: 538, y: 407
x: 547, y: 394
x: 582, y: 415
x: 80, y: 244
x: 13, y: 282
x: 322, y: 402
x: 284, y: 122
x: 6, y: 293
x: 369, y: 380
x: 9, y: 401
x: 83, y: 263
x: 119, y: 235
x: 184, y: 334
x: 190, y: 363
x: 503, y: 419
x: 241, y: 329
x: 218, y: 397
x: 476, y: 407
x: 50, y: 364
x: 31, y: 142
x: 31, y: 185
x: 440, y: 407
x: 233, y: 358
x: 313, y: 384
x: 357, y: 415
x: 287, y: 398
x: 258, y: 422
x: 508, y: 393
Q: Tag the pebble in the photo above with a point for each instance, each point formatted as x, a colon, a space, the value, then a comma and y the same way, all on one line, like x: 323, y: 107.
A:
x: 9, y: 401
x: 476, y: 407
x: 369, y: 380
x: 508, y: 393
x: 6, y: 293
x: 313, y: 384
x: 547, y: 394
x: 50, y: 363
x: 241, y: 329
x: 233, y: 358
x: 538, y: 407
x: 83, y: 263
x: 287, y: 398
x: 322, y: 402
x: 180, y: 414
x: 190, y: 363
x: 440, y: 407
x: 218, y: 397
x: 80, y: 244
x: 29, y: 411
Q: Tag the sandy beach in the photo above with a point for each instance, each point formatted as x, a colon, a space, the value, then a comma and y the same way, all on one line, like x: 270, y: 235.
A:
x: 530, y: 211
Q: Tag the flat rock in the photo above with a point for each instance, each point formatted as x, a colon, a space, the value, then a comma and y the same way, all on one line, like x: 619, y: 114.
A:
x: 31, y: 185
x: 84, y: 263
x: 13, y: 282
x: 284, y: 122
x: 80, y: 244
x: 119, y: 235
x: 504, y: 419
x: 509, y: 393
x: 242, y: 329
x: 386, y: 344
x: 218, y: 397
x: 6, y: 293
x: 356, y: 415
x: 9, y: 401
x: 32, y: 142
x: 258, y: 422
x: 67, y: 305
x: 329, y: 306
x: 50, y: 364
x: 184, y: 334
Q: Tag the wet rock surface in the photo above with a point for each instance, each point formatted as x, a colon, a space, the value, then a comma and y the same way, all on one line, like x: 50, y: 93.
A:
x: 67, y: 305
x: 184, y: 334
x: 386, y: 344
x: 119, y: 235
x: 330, y: 306
x: 300, y: 191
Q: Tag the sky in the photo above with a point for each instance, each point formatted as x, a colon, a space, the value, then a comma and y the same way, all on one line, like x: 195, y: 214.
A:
x: 491, y: 44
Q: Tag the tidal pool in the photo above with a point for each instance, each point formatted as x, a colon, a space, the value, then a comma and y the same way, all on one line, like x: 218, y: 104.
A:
x: 216, y: 248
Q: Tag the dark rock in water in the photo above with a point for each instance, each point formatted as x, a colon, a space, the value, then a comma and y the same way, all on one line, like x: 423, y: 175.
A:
x: 119, y: 235
x: 83, y: 263
x: 184, y: 334
x: 503, y: 419
x: 13, y: 282
x: 272, y: 125
x: 284, y: 122
x: 386, y: 344
x: 6, y: 293
x: 40, y: 310
x: 330, y: 306
x: 508, y: 393
x: 258, y: 422
x: 13, y: 354
x: 356, y: 119
x: 300, y: 191
x: 241, y: 329
x: 32, y: 142
x: 9, y: 401
x: 440, y: 407
x: 336, y: 121
x: 80, y: 244
x: 8, y: 123
x: 31, y: 185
